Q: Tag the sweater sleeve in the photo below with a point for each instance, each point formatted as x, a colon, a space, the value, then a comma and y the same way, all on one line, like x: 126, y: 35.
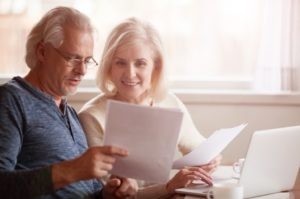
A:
x: 25, y: 184
x: 189, y: 137
x: 17, y: 184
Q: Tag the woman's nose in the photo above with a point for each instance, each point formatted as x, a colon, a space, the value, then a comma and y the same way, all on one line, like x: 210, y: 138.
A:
x: 130, y: 72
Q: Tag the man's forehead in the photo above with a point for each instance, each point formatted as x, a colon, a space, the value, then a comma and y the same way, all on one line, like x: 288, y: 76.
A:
x: 74, y: 38
x: 73, y: 32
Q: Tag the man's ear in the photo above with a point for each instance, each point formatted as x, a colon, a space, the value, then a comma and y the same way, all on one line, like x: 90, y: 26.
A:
x: 40, y: 52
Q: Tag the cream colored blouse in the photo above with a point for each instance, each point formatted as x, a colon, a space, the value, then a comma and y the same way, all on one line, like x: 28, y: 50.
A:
x: 92, y: 118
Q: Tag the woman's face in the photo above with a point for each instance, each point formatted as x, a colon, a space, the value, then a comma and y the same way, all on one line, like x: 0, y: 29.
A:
x: 131, y: 72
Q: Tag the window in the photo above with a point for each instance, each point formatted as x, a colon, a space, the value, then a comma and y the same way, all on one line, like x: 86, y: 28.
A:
x: 205, y: 40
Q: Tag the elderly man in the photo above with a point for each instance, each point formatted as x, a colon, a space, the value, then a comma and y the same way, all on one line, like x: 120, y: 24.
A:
x: 43, y: 150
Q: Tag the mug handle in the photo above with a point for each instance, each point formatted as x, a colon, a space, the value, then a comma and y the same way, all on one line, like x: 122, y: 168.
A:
x: 236, y: 167
x: 209, y: 194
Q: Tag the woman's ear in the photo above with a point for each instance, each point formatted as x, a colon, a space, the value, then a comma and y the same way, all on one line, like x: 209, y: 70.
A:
x: 156, y: 71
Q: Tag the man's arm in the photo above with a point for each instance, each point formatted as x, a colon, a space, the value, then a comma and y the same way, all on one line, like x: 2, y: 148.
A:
x: 96, y: 162
x: 25, y: 184
x: 17, y: 184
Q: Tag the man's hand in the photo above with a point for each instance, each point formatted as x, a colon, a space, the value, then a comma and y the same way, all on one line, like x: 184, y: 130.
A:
x: 120, y: 187
x: 94, y: 163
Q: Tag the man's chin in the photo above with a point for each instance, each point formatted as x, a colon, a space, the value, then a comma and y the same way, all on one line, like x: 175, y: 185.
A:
x: 70, y: 91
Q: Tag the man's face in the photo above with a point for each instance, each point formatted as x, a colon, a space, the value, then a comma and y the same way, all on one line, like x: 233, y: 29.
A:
x: 59, y: 77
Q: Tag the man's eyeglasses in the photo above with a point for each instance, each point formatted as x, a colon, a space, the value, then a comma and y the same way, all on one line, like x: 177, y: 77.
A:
x: 74, y: 62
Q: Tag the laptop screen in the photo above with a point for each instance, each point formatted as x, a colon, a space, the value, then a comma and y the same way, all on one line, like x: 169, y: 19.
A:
x: 271, y: 165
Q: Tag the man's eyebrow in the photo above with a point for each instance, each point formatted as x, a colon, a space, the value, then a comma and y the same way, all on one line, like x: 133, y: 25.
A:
x: 77, y: 56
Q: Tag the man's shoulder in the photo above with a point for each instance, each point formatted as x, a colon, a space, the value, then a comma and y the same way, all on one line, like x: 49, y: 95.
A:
x: 10, y: 88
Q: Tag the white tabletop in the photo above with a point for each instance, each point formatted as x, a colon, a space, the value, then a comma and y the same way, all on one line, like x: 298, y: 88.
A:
x: 227, y: 172
x: 285, y: 195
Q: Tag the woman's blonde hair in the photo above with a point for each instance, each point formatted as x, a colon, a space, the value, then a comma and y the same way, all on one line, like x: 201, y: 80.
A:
x: 50, y: 29
x: 130, y: 31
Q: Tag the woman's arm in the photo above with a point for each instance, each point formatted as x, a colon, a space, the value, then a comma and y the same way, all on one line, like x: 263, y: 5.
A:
x: 92, y: 128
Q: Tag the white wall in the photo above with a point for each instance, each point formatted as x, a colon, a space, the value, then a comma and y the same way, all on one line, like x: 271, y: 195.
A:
x: 213, y: 110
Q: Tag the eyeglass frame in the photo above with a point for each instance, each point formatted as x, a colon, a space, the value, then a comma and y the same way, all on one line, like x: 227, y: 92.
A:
x: 75, y: 62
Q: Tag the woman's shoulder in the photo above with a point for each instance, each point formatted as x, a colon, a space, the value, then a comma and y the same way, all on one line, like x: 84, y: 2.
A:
x: 170, y: 101
x: 96, y: 104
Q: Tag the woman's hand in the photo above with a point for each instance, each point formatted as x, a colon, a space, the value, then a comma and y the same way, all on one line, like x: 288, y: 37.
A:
x: 212, y: 165
x: 186, y: 176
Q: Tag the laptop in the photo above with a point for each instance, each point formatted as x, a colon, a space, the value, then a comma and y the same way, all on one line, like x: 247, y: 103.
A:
x: 271, y: 165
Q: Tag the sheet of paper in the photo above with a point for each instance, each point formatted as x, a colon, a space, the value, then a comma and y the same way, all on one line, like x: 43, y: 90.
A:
x: 149, y: 134
x: 209, y: 148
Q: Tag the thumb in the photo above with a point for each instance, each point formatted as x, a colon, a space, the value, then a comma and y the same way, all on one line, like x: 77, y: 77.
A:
x: 112, y: 184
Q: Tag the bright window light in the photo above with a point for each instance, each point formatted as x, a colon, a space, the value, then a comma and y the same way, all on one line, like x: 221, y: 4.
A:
x: 203, y: 39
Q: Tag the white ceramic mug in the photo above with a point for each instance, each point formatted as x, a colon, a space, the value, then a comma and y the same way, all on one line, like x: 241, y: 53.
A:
x: 238, y: 167
x: 226, y: 191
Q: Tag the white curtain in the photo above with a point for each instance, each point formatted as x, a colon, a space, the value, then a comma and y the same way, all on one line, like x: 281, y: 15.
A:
x: 278, y: 65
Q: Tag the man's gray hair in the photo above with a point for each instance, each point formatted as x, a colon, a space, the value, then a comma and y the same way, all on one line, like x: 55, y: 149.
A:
x: 50, y: 29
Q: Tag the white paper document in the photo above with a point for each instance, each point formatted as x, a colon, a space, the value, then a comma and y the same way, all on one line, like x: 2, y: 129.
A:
x: 209, y: 148
x: 148, y: 133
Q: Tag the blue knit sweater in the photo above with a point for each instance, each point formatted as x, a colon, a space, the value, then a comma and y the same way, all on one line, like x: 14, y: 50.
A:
x: 35, y: 133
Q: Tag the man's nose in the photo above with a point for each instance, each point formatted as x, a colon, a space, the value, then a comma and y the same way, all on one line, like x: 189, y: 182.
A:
x: 81, y: 68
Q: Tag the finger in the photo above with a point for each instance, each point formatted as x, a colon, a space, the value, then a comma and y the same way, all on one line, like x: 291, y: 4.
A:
x: 217, y: 160
x: 193, y: 168
x: 199, y: 176
x: 114, y: 182
x: 207, y: 180
x: 107, y: 159
x: 188, y: 181
x: 123, y: 190
x: 208, y: 167
x: 219, y: 157
x: 214, y: 165
x: 213, y: 170
x: 200, y: 173
x: 112, y: 150
x: 104, y: 166
x: 99, y: 154
x: 201, y: 169
x: 204, y: 176
x: 112, y: 185
x: 114, y: 176
x: 128, y: 187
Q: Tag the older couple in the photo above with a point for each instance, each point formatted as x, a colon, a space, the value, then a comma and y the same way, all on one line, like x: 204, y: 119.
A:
x: 44, y: 150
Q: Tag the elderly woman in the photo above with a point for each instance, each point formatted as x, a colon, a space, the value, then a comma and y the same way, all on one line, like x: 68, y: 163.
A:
x: 132, y: 70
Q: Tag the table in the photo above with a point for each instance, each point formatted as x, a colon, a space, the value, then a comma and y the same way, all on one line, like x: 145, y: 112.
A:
x: 283, y: 195
x: 226, y: 171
